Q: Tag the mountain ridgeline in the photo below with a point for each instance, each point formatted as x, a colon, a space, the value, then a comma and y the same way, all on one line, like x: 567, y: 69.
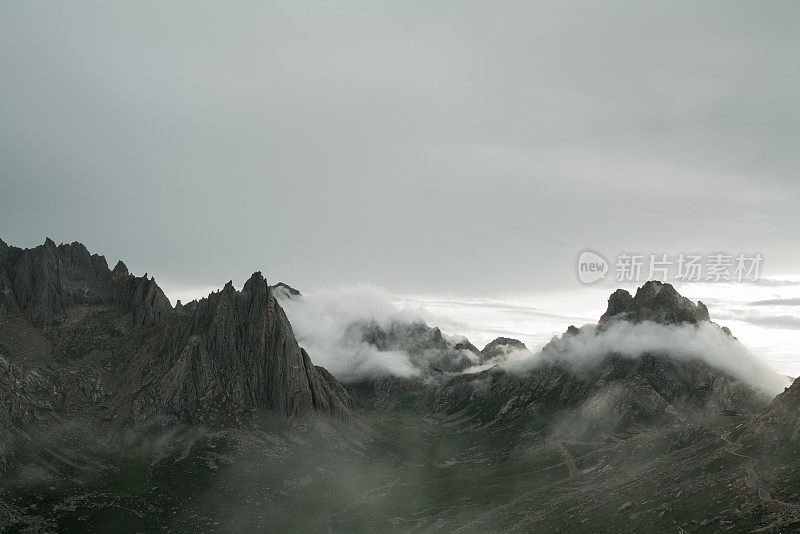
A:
x: 120, y: 412
x: 608, y: 391
x: 77, y: 338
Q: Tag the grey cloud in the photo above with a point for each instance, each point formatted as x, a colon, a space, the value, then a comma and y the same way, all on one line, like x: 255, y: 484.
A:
x: 776, y: 302
x: 759, y: 319
x: 774, y: 321
x: 470, y: 148
x: 510, y: 308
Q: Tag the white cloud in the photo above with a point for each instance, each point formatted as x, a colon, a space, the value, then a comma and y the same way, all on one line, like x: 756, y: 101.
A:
x: 683, y: 342
x: 320, y: 322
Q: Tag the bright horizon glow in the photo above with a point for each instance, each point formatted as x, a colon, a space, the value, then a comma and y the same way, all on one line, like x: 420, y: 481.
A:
x: 770, y: 332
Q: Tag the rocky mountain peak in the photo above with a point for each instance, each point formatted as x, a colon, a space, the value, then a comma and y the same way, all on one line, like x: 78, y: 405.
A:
x: 502, y: 345
x: 654, y: 301
x: 618, y: 303
x: 47, y: 281
x: 120, y: 269
x: 228, y: 288
x: 222, y: 356
x: 428, y: 349
x: 284, y: 291
x: 256, y: 284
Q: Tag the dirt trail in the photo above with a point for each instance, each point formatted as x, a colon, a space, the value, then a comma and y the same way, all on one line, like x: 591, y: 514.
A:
x: 569, y: 460
x: 752, y: 476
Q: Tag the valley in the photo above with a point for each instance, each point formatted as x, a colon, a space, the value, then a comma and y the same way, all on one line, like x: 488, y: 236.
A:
x: 120, y: 412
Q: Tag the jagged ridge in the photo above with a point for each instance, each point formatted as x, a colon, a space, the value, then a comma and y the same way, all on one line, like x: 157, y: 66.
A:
x: 109, y: 343
x: 654, y: 301
x: 612, y: 393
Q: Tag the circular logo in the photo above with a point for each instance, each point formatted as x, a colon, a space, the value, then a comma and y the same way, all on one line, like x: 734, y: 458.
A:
x: 591, y: 267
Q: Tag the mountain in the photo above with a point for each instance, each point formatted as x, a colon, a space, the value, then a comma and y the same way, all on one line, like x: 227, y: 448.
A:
x: 617, y: 393
x: 777, y: 427
x: 654, y: 301
x: 284, y: 291
x: 770, y: 443
x: 428, y: 349
x: 604, y: 392
x: 435, y: 357
x: 121, y: 413
x: 79, y: 338
x: 501, y: 346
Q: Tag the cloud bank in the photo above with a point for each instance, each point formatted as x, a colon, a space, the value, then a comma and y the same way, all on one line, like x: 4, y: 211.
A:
x: 322, y: 324
x: 685, y: 342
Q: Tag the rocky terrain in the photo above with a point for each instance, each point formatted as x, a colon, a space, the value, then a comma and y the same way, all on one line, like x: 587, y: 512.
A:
x: 77, y: 338
x: 611, y: 393
x: 654, y: 301
x: 427, y: 347
x: 120, y: 412
x: 778, y: 425
x: 502, y: 346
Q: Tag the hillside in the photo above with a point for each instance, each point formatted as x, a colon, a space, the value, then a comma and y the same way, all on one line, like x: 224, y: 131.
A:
x: 120, y: 412
x: 79, y: 339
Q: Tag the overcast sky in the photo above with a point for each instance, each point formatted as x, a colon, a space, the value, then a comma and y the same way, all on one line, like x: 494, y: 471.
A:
x: 421, y: 146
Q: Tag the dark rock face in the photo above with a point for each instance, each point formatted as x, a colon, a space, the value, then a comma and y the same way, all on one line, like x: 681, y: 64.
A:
x: 618, y: 392
x: 618, y: 303
x: 778, y: 425
x: 502, y: 345
x: 654, y: 301
x: 607, y: 394
x: 79, y: 338
x: 47, y: 282
x: 232, y: 351
x: 426, y: 347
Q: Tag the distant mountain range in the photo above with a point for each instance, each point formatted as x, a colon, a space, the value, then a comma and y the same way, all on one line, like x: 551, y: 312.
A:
x: 108, y: 391
x: 612, y: 393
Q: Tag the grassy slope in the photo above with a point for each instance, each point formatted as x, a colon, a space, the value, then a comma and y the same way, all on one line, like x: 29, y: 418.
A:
x: 404, y: 474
